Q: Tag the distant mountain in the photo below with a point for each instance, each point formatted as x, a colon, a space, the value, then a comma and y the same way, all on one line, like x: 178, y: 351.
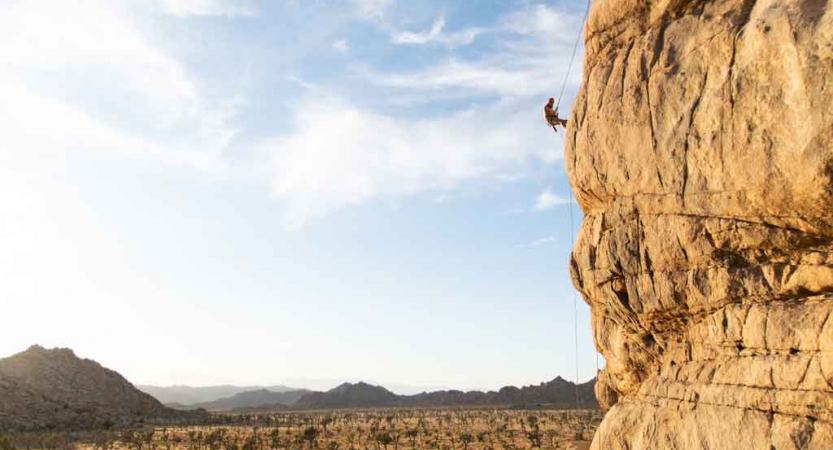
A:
x: 257, y: 398
x: 54, y: 389
x: 558, y: 392
x: 348, y: 395
x: 325, y: 384
x: 260, y: 409
x: 183, y: 397
x: 187, y: 395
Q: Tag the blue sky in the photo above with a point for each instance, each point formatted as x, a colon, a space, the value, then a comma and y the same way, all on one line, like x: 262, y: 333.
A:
x: 234, y: 191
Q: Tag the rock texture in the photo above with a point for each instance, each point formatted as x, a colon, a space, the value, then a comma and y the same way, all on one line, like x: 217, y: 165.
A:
x: 700, y: 148
x: 54, y: 389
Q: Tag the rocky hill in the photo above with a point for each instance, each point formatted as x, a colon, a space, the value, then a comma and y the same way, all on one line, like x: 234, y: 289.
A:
x: 558, y: 392
x: 54, y: 389
x: 348, y: 395
x: 700, y: 148
x: 187, y: 395
x: 259, y: 398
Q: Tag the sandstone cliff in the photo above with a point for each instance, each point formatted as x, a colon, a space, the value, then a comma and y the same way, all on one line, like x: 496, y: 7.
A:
x: 700, y: 148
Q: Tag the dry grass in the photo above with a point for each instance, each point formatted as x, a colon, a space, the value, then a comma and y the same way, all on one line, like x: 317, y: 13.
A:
x: 400, y: 429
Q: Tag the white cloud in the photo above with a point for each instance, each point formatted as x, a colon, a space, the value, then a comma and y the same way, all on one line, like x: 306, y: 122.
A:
x: 341, y: 155
x: 341, y: 45
x: 338, y: 154
x: 437, y: 35
x: 538, y: 242
x: 547, y: 200
x: 372, y: 9
x: 545, y: 22
x: 420, y: 38
x: 157, y: 109
x: 478, y: 76
x: 511, y: 177
x: 533, y: 57
x: 185, y: 8
x: 302, y: 82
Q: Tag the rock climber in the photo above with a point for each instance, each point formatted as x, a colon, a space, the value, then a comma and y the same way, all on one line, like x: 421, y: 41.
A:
x: 551, y: 115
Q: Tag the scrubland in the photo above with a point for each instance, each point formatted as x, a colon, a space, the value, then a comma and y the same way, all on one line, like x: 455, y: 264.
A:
x: 399, y: 429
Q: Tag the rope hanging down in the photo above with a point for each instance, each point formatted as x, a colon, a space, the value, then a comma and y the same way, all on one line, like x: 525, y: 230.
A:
x: 572, y: 233
x: 575, y: 304
x: 573, y: 57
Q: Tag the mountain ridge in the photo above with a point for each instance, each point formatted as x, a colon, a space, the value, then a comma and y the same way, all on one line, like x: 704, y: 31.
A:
x: 248, y: 399
x: 556, y: 392
x: 55, y: 389
x: 193, y: 396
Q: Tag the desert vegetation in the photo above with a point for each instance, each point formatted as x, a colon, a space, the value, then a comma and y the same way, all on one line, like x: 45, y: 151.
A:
x: 396, y: 429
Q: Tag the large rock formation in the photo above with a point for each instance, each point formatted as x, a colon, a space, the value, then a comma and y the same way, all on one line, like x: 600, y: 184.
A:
x: 44, y: 389
x: 700, y: 148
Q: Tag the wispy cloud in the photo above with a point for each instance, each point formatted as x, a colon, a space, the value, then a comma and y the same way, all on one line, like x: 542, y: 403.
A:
x: 533, y: 55
x: 372, y: 9
x: 511, y: 177
x: 169, y: 118
x: 538, y: 242
x: 477, y: 76
x: 338, y: 153
x: 548, y: 200
x: 226, y: 8
x: 355, y: 156
x: 437, y: 35
x: 302, y: 82
x: 341, y: 45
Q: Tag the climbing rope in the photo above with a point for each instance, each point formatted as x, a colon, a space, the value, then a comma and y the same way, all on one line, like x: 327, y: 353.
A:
x: 575, y: 311
x: 572, y: 233
x: 573, y: 57
x: 575, y: 303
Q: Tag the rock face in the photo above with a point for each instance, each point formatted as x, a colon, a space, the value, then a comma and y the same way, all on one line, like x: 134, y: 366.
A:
x: 54, y: 389
x: 700, y: 148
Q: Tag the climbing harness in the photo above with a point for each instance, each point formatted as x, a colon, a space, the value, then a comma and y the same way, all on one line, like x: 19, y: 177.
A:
x: 554, y: 123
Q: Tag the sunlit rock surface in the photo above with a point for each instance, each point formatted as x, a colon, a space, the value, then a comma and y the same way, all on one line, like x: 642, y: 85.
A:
x: 700, y: 148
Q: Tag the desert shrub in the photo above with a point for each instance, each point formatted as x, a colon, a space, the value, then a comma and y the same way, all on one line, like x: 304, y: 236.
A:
x: 310, y: 435
x: 384, y: 438
x: 5, y: 442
